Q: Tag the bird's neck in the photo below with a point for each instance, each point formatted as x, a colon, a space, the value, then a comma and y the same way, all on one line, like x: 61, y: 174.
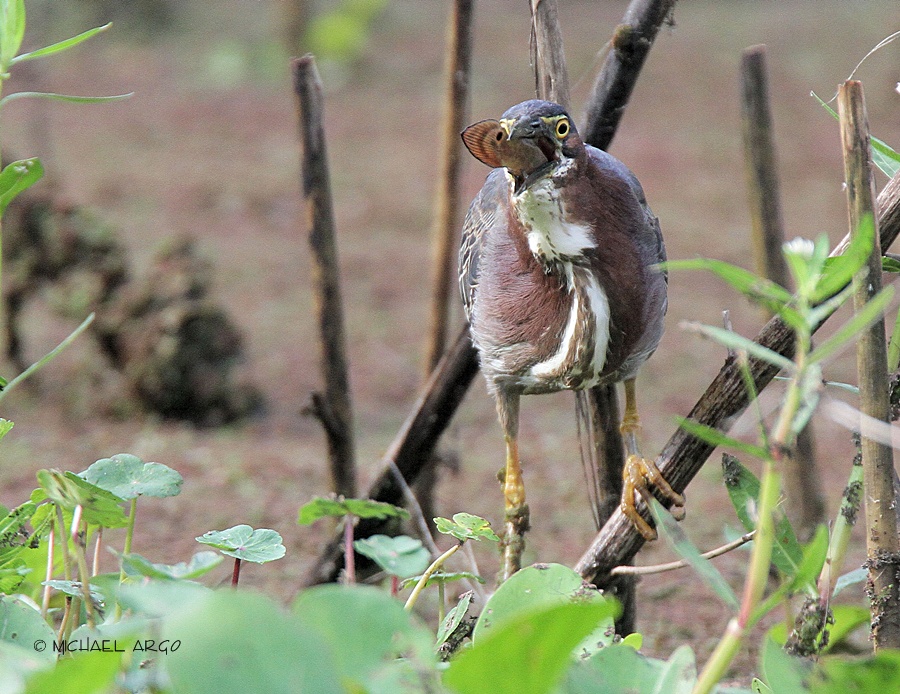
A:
x: 552, y: 237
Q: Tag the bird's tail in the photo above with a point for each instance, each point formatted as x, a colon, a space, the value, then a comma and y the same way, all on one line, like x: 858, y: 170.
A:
x: 600, y: 447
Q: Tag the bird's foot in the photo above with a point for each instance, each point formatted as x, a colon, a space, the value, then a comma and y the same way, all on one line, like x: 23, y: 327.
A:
x: 639, y: 473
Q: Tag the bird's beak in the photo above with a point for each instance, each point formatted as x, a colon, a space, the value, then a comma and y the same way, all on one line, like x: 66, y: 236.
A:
x: 520, y: 128
x: 526, y: 151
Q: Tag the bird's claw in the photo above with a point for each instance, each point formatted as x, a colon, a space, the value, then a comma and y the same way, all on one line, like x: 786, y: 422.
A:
x: 639, y: 473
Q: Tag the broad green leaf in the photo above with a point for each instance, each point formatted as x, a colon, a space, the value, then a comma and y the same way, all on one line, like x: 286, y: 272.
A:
x: 849, y: 579
x: 12, y: 30
x: 5, y: 425
x: 73, y: 589
x: 528, y: 654
x: 718, y: 438
x: 13, y: 571
x: 785, y: 674
x: 199, y: 565
x: 83, y: 673
x: 16, y: 177
x: 128, y: 477
x: 12, y: 527
x: 679, y: 674
x: 322, y: 507
x: 672, y: 532
x: 68, y: 490
x: 465, y: 526
x: 540, y: 586
x: 60, y: 45
x: 235, y: 642
x: 754, y: 287
x: 733, y: 340
x: 743, y: 490
x: 453, y: 619
x: 22, y: 625
x: 161, y: 598
x: 890, y: 263
x: 399, y: 556
x: 616, y: 669
x: 760, y: 687
x: 871, y: 312
x: 840, y: 675
x: 840, y: 269
x: 245, y: 543
x: 361, y: 627
x: 847, y: 619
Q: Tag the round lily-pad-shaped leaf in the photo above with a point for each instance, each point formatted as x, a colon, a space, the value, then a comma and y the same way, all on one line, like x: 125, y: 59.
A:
x: 68, y: 490
x: 128, y: 477
x: 399, y: 556
x: 245, y: 543
x: 321, y: 507
x: 465, y: 526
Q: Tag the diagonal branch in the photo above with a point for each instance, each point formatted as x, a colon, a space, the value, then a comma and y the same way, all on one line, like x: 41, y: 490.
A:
x: 724, y: 399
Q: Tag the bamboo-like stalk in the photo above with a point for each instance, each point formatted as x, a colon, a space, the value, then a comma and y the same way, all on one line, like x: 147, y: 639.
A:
x: 332, y: 407
x: 882, y: 541
x: 801, y: 479
x: 551, y: 78
x: 446, y: 211
x: 447, y: 217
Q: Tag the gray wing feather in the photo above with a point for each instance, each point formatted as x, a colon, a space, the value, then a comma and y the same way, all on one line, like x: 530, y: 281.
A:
x: 487, y: 210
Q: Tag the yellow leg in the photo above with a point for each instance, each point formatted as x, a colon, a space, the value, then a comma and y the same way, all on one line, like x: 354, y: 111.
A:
x: 640, y: 472
x: 516, y: 516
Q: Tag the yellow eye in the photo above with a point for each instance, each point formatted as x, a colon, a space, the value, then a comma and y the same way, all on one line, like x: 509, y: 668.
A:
x: 562, y: 128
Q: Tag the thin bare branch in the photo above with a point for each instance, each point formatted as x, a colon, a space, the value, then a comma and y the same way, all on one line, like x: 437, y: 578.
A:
x: 681, y: 563
x: 334, y: 404
x: 551, y: 78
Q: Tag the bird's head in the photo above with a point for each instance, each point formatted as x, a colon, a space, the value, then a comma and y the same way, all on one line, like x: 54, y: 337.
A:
x: 530, y: 140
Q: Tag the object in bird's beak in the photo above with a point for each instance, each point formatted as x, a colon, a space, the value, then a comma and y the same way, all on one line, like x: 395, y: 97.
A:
x: 483, y: 140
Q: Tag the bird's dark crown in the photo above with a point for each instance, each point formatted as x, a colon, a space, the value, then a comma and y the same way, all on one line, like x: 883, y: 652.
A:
x: 534, y: 108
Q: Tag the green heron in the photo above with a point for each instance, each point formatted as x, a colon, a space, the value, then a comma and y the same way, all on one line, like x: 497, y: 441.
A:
x: 559, y: 282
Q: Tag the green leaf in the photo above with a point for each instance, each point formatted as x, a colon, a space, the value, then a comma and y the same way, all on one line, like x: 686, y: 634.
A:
x: 616, y: 669
x: 453, y: 619
x: 760, y: 687
x: 73, y: 589
x: 733, y: 340
x: 68, y: 490
x: 399, y: 556
x: 814, y: 553
x: 362, y: 627
x: 70, y: 98
x: 5, y: 425
x: 871, y: 312
x: 743, y: 490
x: 128, y: 477
x: 161, y: 598
x: 234, y: 642
x: 12, y: 527
x: 883, y: 156
x: 83, y: 673
x: 840, y: 269
x: 672, y: 532
x: 849, y: 579
x: 840, y: 675
x: 22, y: 625
x: 783, y: 673
x: 245, y: 543
x: 539, y: 586
x: 60, y: 45
x: 321, y: 507
x: 16, y: 177
x: 847, y: 619
x: 12, y: 30
x: 718, y: 438
x: 754, y: 287
x: 465, y: 526
x: 199, y: 565
x: 810, y: 391
x: 528, y: 654
x: 442, y: 577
